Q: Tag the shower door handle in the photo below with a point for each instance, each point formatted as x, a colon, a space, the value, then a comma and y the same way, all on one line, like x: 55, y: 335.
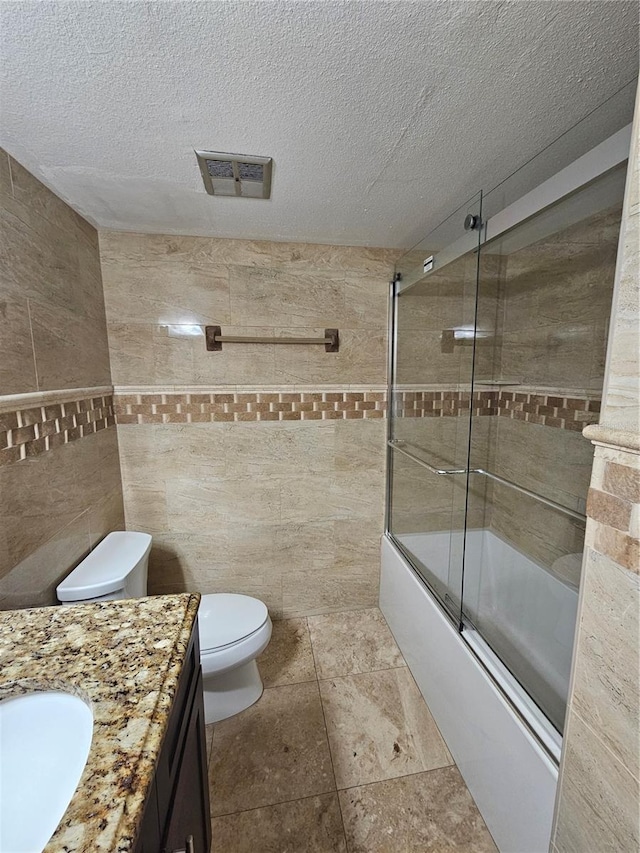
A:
x: 394, y: 444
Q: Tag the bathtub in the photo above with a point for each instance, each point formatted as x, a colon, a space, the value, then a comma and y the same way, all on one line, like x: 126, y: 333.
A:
x: 506, y: 749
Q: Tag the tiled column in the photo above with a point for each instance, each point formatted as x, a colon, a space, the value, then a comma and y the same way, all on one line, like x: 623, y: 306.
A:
x: 598, y: 800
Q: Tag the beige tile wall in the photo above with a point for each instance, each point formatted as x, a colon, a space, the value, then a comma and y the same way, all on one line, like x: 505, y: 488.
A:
x: 599, y: 787
x: 156, y: 285
x: 56, y: 505
x: 556, y: 301
x: 291, y: 512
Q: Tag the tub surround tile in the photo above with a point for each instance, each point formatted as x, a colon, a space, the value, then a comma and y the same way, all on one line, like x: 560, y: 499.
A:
x: 607, y: 665
x: 275, y: 751
x: 313, y: 825
x: 597, y: 807
x: 379, y: 727
x: 354, y: 642
x: 609, y: 510
x: 598, y: 804
x: 128, y: 676
x: 431, y: 812
x: 288, y: 659
x: 623, y: 481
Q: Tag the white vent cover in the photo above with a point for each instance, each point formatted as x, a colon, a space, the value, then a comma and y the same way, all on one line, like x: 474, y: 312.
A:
x: 235, y: 174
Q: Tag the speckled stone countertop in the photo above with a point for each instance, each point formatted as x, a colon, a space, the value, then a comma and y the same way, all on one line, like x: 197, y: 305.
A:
x: 124, y: 659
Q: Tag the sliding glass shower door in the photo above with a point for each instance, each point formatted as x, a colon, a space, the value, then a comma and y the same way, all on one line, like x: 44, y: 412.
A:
x: 498, y: 364
x: 431, y: 402
x: 551, y: 280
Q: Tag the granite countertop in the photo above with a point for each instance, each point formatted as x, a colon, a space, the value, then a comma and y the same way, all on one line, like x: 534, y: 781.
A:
x: 124, y: 659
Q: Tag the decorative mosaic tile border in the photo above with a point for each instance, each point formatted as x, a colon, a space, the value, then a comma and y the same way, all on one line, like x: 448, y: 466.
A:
x: 613, y: 507
x: 443, y: 404
x: 572, y: 413
x: 48, y: 423
x: 34, y: 430
x: 190, y: 407
x: 173, y: 408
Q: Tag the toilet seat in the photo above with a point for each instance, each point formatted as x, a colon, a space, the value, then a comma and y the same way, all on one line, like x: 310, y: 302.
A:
x: 233, y: 630
x: 226, y: 619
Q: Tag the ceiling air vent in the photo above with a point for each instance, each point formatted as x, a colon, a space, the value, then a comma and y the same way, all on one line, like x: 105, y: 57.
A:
x: 235, y: 174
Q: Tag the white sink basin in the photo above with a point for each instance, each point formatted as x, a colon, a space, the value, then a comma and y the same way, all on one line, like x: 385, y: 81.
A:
x: 44, y: 745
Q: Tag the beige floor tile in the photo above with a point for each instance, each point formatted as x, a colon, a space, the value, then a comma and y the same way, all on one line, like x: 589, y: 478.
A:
x: 427, y: 812
x: 351, y: 642
x: 313, y: 825
x: 379, y: 727
x: 288, y: 658
x: 275, y: 751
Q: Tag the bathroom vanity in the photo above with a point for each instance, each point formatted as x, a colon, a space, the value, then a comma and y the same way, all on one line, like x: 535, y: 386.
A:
x: 136, y: 664
x: 176, y: 814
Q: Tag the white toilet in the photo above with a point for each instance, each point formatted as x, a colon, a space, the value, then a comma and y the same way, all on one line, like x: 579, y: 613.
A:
x: 234, y: 629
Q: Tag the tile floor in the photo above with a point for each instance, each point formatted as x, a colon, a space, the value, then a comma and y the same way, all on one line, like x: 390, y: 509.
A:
x: 341, y: 753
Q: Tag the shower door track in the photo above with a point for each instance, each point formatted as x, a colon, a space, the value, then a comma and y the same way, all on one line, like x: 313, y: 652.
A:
x: 602, y: 159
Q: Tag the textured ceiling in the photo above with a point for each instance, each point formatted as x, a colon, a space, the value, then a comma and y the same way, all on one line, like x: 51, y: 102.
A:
x: 381, y: 117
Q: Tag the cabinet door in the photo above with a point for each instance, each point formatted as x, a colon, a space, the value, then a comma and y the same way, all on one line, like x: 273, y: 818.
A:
x: 189, y: 826
x: 149, y: 834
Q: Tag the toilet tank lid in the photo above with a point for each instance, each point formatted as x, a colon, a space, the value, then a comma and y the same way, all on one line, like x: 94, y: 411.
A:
x: 105, y: 569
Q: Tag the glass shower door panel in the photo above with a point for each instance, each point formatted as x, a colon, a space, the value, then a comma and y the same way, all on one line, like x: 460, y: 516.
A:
x: 434, y: 316
x: 550, y: 281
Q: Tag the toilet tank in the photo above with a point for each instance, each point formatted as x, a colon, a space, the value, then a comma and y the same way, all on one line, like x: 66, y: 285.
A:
x: 116, y: 568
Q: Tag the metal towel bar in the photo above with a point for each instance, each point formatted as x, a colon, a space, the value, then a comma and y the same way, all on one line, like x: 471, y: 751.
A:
x: 399, y: 447
x: 215, y: 339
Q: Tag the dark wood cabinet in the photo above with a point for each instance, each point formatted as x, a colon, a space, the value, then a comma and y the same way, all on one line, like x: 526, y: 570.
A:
x: 176, y: 816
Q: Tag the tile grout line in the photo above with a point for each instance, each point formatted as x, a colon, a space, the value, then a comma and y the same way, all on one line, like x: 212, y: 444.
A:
x: 324, y: 717
x: 404, y: 776
x: 275, y: 805
x: 33, y: 345
x: 363, y: 672
x: 290, y: 684
x: 337, y: 792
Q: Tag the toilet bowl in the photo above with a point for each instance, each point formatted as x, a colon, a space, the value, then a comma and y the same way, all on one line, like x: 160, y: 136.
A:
x: 233, y: 629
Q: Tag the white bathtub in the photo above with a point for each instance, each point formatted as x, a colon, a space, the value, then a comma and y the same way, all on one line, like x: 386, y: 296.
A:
x: 526, y: 613
x: 511, y: 776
